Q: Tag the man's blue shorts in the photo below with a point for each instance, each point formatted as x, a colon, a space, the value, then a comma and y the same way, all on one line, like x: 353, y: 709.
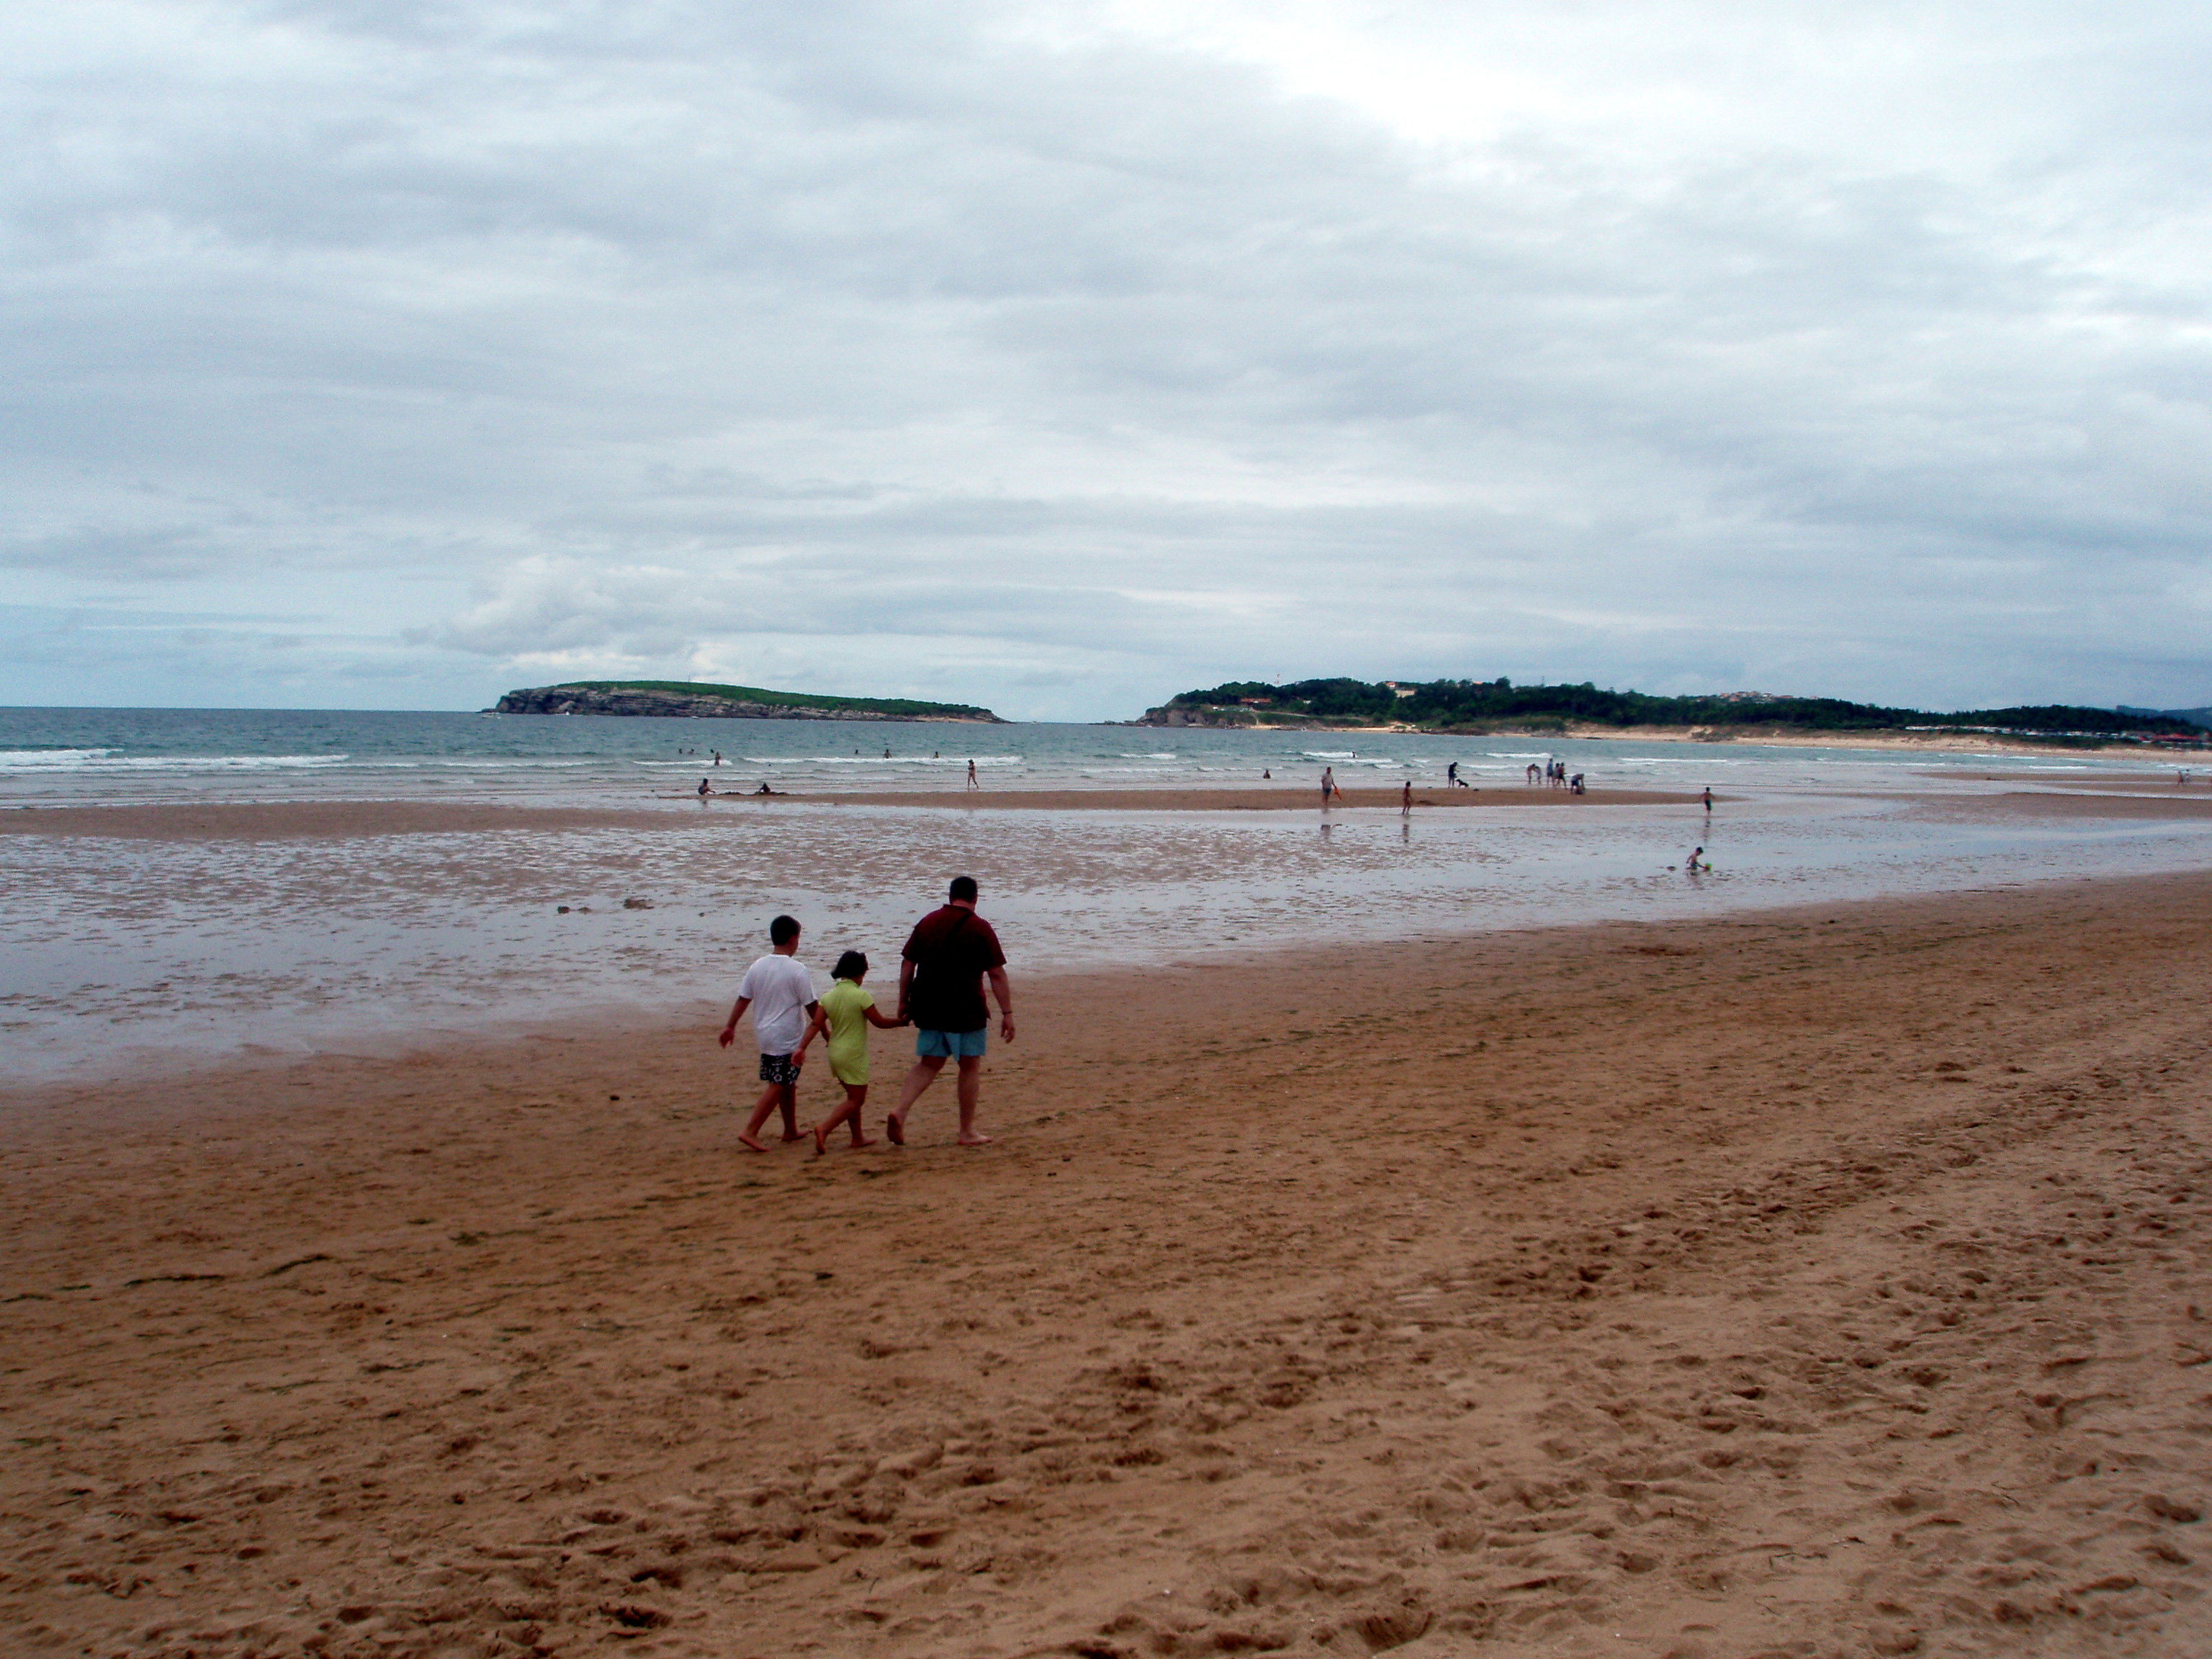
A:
x: 949, y: 1045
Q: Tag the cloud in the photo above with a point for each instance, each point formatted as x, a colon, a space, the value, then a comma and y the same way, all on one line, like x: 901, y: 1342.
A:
x: 1061, y: 356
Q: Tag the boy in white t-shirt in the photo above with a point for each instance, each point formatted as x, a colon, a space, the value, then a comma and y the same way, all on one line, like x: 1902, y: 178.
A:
x: 780, y: 993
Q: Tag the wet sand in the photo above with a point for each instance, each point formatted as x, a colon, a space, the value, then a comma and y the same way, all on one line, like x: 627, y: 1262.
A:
x: 2061, y: 805
x: 1831, y: 1282
x: 1263, y: 798
x: 342, y: 820
x: 290, y: 820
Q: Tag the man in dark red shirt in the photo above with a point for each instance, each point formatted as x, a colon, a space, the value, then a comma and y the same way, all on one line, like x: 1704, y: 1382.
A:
x: 947, y: 957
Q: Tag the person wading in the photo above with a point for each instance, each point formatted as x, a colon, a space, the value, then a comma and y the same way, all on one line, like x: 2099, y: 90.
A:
x: 947, y: 957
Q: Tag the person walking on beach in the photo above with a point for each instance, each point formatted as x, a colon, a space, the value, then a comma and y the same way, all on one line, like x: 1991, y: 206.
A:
x: 1709, y: 800
x: 780, y: 993
x: 947, y: 957
x: 1406, y: 800
x: 1327, y: 786
x: 972, y: 783
x: 845, y: 1014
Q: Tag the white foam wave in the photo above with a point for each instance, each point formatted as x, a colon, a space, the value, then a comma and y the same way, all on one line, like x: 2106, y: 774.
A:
x: 48, y: 760
x: 107, y: 761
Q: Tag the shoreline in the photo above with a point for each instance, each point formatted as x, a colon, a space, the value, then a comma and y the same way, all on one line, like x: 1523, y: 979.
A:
x: 1457, y: 1291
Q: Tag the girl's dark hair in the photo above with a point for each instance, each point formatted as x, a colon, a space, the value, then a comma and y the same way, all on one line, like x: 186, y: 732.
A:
x: 852, y: 965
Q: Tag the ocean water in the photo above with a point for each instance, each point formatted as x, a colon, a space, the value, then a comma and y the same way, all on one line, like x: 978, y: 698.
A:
x: 89, y: 755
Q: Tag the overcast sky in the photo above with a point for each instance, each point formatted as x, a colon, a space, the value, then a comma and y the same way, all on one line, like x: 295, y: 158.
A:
x: 1061, y: 356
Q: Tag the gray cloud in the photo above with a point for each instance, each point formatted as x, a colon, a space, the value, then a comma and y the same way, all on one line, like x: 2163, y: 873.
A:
x: 1060, y: 357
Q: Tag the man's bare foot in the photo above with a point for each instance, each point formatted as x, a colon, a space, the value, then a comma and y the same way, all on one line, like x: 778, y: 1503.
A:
x: 748, y: 1141
x: 974, y: 1138
x: 860, y: 1145
x: 896, y: 1128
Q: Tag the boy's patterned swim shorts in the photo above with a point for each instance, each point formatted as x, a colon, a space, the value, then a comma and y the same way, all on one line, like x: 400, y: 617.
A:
x: 778, y: 1068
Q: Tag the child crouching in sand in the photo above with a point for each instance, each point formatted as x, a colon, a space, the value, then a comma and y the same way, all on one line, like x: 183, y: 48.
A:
x: 845, y: 1014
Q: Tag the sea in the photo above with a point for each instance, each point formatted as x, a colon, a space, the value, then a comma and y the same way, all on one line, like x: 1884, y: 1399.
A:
x: 130, y: 955
x: 51, y: 757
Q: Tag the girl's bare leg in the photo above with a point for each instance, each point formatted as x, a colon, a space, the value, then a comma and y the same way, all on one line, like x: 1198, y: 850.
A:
x: 849, y: 1112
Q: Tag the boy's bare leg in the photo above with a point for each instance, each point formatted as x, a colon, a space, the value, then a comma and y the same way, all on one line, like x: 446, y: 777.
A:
x: 787, y: 1098
x: 761, y: 1108
x: 923, y: 1074
x: 971, y: 1089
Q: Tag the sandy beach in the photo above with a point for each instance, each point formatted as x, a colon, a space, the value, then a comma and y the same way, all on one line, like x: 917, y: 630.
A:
x: 1818, y: 1282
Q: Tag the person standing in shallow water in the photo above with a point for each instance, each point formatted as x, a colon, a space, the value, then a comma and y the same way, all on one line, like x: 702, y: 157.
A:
x: 947, y: 958
x: 972, y: 783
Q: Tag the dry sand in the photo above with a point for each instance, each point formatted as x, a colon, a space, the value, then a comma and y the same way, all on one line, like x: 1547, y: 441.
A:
x: 1775, y: 1286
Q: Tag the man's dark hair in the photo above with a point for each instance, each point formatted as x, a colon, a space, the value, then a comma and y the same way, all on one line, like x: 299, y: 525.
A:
x: 851, y: 965
x: 783, y: 930
x: 963, y: 887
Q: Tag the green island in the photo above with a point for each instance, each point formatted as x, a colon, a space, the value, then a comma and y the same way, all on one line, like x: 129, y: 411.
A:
x: 1498, y: 705
x: 700, y: 700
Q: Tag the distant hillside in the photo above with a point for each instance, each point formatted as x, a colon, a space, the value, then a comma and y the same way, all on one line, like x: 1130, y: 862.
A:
x: 1481, y: 705
x: 2186, y: 716
x: 696, y: 700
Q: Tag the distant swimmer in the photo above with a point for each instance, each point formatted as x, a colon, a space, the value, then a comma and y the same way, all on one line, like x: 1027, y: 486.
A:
x: 718, y: 757
x: 887, y: 751
x: 1265, y: 775
x: 705, y: 788
x: 765, y: 790
x: 972, y: 782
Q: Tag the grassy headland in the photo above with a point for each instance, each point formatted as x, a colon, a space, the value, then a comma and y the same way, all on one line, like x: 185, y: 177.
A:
x: 696, y: 698
x: 1499, y: 706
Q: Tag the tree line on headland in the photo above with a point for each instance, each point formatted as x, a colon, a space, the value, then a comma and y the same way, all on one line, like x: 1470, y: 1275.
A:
x: 1475, y: 706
